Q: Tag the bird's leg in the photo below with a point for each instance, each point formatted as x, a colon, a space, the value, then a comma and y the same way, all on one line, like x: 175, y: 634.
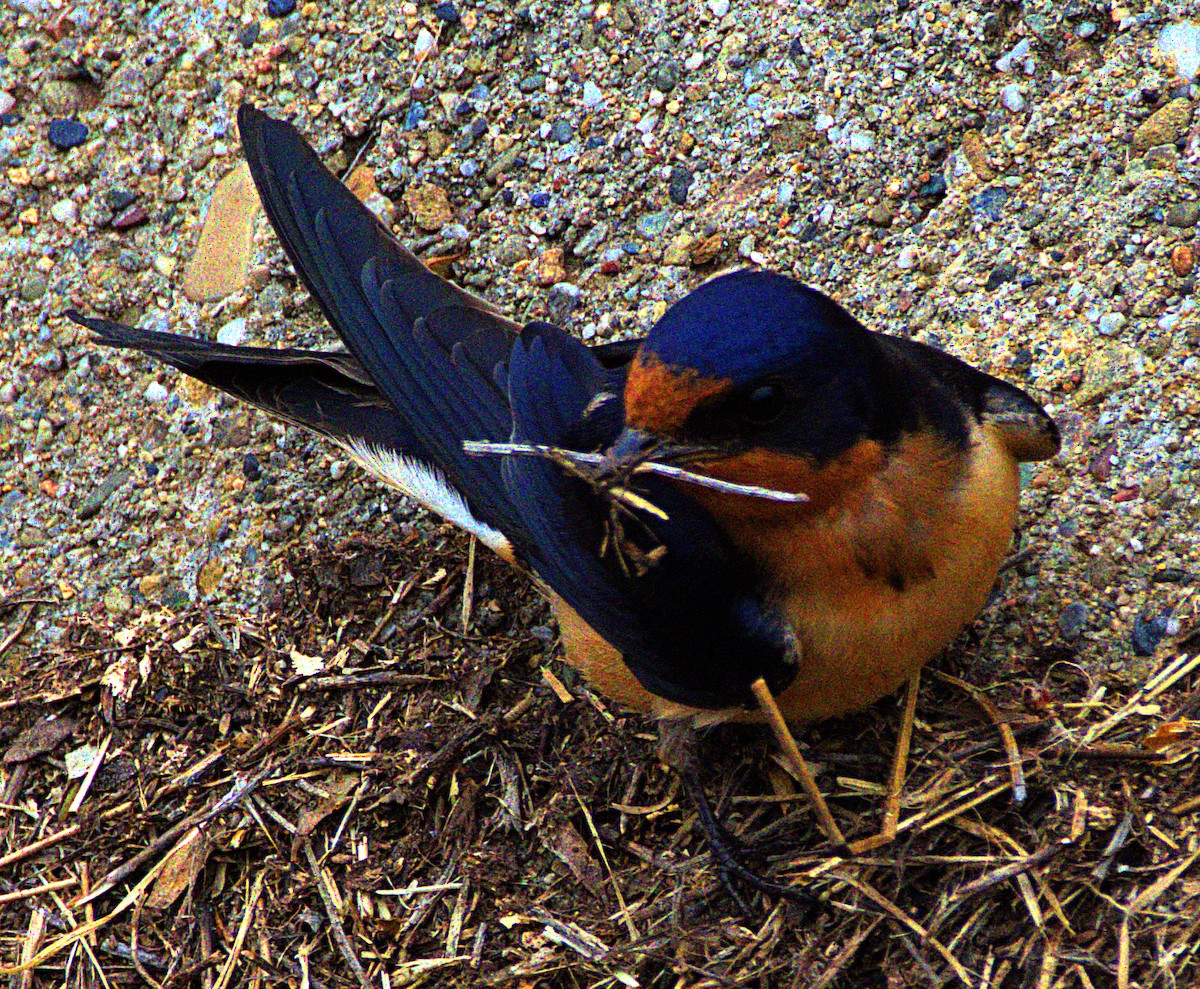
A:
x: 891, y: 806
x: 762, y: 694
x: 677, y: 744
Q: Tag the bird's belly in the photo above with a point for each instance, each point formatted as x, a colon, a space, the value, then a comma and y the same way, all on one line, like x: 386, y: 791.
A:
x: 859, y: 648
x: 861, y: 638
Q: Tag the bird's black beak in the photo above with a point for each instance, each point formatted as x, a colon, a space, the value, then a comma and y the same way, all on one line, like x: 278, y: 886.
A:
x: 630, y: 447
x: 636, y: 446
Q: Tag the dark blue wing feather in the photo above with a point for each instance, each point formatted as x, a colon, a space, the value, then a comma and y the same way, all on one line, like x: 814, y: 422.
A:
x: 429, y: 347
x: 693, y: 629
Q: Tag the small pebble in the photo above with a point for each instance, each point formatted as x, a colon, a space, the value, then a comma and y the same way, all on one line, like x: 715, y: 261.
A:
x: 1148, y: 633
x: 416, y: 113
x: 65, y: 212
x: 67, y: 134
x: 862, y: 141
x: 680, y: 182
x: 232, y: 333
x: 1017, y: 55
x: 248, y: 35
x: 337, y: 469
x: 562, y: 131
x: 1182, y: 42
x: 1072, y: 620
x: 1012, y: 98
x: 251, y: 468
x: 155, y: 392
x: 591, y: 240
x: 130, y: 216
x: 1183, y: 260
x: 1006, y: 271
x: 447, y: 12
x: 1110, y: 324
x: 280, y: 8
x: 561, y: 301
x: 33, y: 286
x: 592, y: 97
x: 539, y: 200
x: 650, y: 227
x: 989, y: 203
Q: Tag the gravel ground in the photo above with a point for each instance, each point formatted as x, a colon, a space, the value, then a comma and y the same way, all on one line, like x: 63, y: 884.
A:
x: 1016, y: 183
x: 1037, y: 221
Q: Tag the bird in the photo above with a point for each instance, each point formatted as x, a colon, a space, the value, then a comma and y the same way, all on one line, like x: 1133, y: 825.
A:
x: 760, y: 510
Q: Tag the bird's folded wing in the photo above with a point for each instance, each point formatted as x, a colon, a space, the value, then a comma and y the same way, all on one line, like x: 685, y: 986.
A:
x: 1027, y: 429
x: 429, y: 347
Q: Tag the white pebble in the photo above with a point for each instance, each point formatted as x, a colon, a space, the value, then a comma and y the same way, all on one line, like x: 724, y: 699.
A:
x: 1018, y: 53
x: 1182, y: 42
x: 656, y: 98
x: 592, y: 97
x: 155, y: 392
x: 7, y: 101
x: 337, y: 469
x: 823, y: 122
x: 552, y: 85
x: 694, y: 61
x: 233, y: 332
x: 64, y: 211
x: 861, y: 141
x: 1012, y: 98
x: 424, y: 43
x: 719, y: 8
x: 907, y: 259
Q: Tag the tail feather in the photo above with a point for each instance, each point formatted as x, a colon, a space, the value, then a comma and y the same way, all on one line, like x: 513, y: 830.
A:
x: 326, y: 392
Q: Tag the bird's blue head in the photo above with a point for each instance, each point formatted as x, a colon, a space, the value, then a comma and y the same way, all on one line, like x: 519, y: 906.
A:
x: 756, y: 363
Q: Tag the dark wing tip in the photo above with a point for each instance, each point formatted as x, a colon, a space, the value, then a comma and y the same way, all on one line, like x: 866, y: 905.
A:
x: 107, y: 332
x: 1027, y: 429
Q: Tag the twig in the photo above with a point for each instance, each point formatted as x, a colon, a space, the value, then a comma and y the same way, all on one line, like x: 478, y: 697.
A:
x: 133, y: 945
x: 86, y: 783
x: 1006, y: 735
x: 243, y: 928
x: 468, y: 590
x: 587, y: 816
x: 575, y: 458
x: 16, y: 632
x: 239, y: 793
x: 334, y: 917
x: 1006, y: 872
x: 24, y: 894
x: 878, y: 898
x: 59, y: 836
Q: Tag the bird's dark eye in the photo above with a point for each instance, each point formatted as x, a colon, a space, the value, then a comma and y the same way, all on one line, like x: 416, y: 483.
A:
x: 763, y: 405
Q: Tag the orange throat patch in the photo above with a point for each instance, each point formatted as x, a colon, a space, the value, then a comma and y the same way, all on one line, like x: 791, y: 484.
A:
x: 659, y: 398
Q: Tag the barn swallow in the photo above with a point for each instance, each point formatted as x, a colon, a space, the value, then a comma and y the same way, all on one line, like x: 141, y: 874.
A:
x: 762, y: 506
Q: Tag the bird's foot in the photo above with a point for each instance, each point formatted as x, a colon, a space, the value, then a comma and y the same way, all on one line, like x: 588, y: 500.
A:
x: 677, y: 748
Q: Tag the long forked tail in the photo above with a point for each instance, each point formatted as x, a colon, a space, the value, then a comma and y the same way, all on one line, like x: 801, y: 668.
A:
x: 325, y: 392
